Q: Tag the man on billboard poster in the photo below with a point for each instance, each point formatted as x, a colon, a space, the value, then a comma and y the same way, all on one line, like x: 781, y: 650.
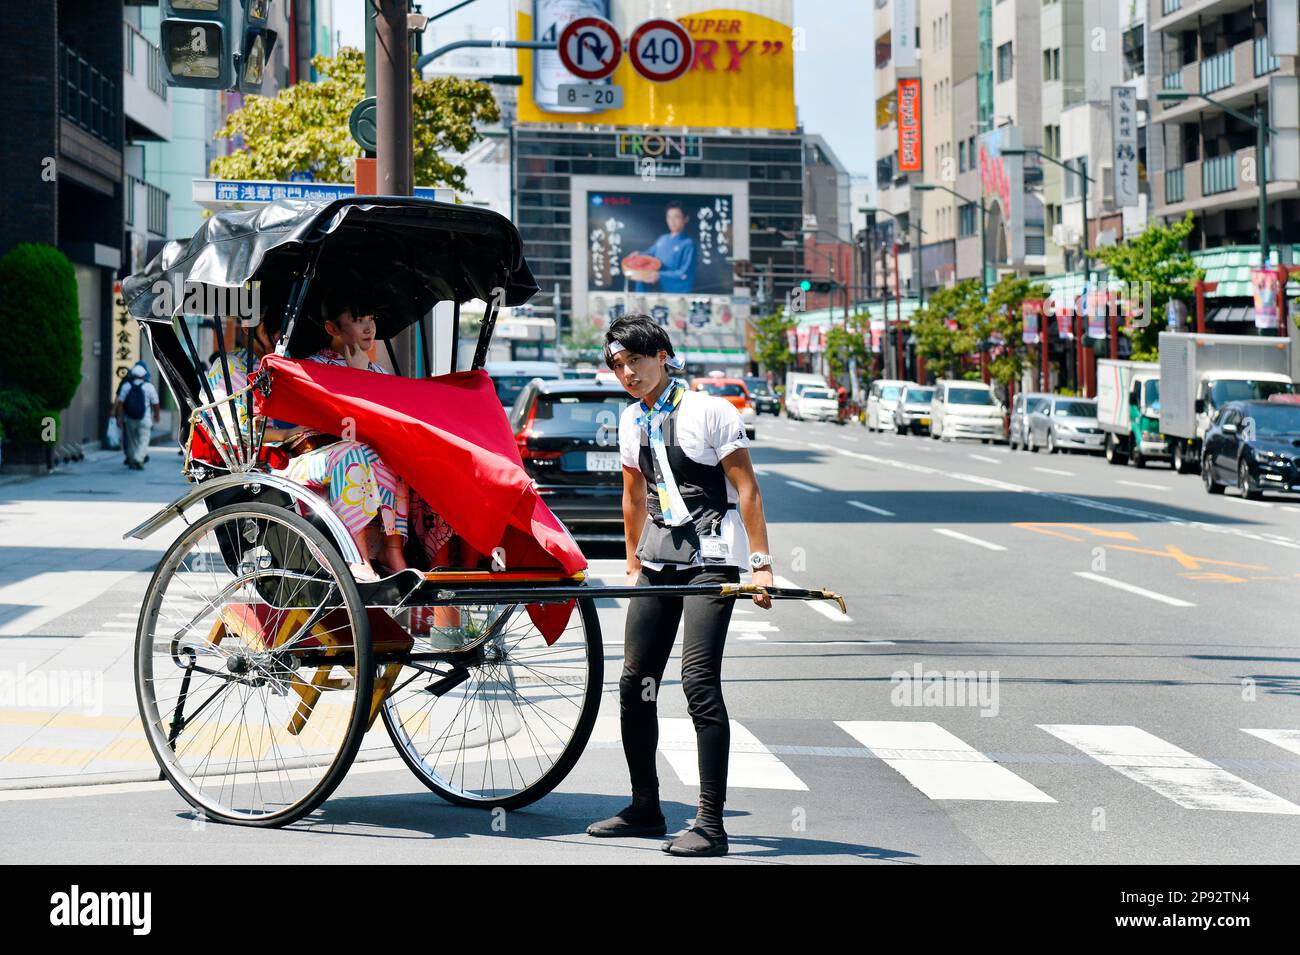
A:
x: 675, y: 251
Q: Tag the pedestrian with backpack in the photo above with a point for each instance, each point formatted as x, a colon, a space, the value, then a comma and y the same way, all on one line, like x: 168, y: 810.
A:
x: 137, y: 410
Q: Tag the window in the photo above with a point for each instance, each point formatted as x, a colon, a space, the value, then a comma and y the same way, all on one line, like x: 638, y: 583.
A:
x: 968, y: 220
x: 1051, y: 65
x: 1005, y: 62
x: 884, y: 49
x: 1134, y: 53
x: 1070, y: 179
x: 1052, y: 141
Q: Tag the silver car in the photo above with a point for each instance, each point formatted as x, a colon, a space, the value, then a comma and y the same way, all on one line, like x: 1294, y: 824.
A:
x: 912, y: 411
x: 1063, y: 423
x: 1026, y: 403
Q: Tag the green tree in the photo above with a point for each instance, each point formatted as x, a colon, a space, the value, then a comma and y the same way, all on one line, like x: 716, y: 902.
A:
x: 771, y: 347
x: 585, y: 341
x: 42, y: 325
x: 942, y: 345
x: 1002, y: 317
x: 848, y: 343
x: 1158, y: 256
x: 304, y: 128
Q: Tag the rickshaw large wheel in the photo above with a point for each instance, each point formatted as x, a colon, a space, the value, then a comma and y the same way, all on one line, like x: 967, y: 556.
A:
x: 254, y: 670
x: 505, y: 731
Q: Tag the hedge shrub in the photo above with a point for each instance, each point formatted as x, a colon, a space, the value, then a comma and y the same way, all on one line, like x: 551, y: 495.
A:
x: 42, y: 326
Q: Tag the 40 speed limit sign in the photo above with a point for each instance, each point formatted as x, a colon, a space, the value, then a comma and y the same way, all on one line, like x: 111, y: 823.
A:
x: 661, y: 50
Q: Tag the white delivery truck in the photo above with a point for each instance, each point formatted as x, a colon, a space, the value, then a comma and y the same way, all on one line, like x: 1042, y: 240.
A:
x: 795, y: 382
x: 1128, y: 410
x: 1199, y: 373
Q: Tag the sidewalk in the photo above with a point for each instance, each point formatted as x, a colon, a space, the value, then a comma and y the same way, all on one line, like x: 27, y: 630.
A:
x: 70, y: 589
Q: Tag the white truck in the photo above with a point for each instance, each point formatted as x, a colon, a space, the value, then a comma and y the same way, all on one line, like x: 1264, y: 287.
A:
x: 1128, y: 410
x: 1199, y: 373
x: 795, y: 382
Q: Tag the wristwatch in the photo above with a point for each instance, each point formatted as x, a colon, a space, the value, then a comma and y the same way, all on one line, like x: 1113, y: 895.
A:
x: 758, y: 561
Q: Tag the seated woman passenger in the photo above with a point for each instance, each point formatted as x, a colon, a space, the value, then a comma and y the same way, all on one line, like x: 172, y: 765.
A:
x: 359, y: 488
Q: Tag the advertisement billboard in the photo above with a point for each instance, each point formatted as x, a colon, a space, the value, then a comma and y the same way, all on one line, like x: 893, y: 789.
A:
x: 663, y: 248
x: 1003, y: 179
x: 909, y: 126
x: 741, y: 77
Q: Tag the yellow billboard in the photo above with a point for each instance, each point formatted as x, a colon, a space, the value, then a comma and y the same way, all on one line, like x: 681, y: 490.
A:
x: 741, y: 77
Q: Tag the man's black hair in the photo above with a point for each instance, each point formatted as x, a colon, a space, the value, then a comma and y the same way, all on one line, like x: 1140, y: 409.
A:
x: 639, y: 334
x: 674, y: 204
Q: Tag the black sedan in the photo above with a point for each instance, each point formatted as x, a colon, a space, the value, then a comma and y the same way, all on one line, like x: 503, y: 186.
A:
x: 1254, y: 446
x: 567, y: 432
x: 764, y: 398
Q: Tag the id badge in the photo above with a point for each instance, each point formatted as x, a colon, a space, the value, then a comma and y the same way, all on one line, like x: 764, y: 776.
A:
x: 714, y: 548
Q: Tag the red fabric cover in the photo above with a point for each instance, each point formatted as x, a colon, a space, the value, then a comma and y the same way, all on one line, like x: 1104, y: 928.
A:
x: 447, y: 436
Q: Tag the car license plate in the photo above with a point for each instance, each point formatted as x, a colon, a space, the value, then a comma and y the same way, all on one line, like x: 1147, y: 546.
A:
x: 925, y: 421
x: 602, y: 461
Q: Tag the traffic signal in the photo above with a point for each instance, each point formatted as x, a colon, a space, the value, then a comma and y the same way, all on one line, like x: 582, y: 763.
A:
x: 216, y: 44
x: 816, y: 285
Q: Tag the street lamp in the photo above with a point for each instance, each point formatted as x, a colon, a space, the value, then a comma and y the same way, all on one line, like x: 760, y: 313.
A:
x: 1082, y: 173
x: 1262, y: 130
x: 984, y: 210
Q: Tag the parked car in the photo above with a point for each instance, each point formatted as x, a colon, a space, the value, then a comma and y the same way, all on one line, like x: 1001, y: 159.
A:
x: 912, y: 410
x: 881, y: 399
x: 509, y: 377
x: 733, y: 389
x: 795, y: 384
x: 965, y: 409
x: 818, y: 404
x: 567, y: 433
x: 764, y: 398
x: 1064, y: 423
x: 1254, y: 445
x: 1026, y: 403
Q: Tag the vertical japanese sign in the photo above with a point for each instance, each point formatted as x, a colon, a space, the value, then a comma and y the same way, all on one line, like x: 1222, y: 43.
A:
x: 1266, y: 286
x: 903, y: 34
x: 126, y: 341
x: 909, y: 125
x: 1123, y: 121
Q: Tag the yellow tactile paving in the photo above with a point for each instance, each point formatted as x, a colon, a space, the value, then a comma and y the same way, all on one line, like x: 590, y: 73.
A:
x: 50, y: 756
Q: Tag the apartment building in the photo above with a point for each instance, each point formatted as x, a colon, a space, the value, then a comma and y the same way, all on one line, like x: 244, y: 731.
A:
x: 1203, y: 159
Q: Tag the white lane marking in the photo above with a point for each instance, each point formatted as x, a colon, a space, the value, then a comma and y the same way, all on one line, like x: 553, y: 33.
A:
x: 874, y: 510
x: 1132, y: 589
x: 1242, y: 500
x: 940, y: 764
x: 804, y: 487
x: 751, y: 629
x: 1086, y: 502
x: 1287, y: 739
x: 121, y: 624
x: 132, y: 614
x: 967, y: 538
x: 980, y: 457
x: 1164, y: 768
x: 106, y: 633
x: 40, y: 598
x: 760, y: 472
x: 832, y: 643
x: 750, y: 764
x: 818, y: 606
x: 1290, y: 507
x: 1055, y: 471
x: 1149, y: 487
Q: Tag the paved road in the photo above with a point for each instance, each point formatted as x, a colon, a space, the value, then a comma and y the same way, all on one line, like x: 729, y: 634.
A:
x: 1047, y: 659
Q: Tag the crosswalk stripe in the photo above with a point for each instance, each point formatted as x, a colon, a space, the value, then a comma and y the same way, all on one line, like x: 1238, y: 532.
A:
x: 940, y: 764
x: 817, y: 606
x: 956, y: 535
x: 1287, y: 739
x: 750, y: 764
x: 874, y: 510
x: 1164, y: 768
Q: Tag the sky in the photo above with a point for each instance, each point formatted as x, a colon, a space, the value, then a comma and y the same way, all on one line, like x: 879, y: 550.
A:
x: 833, y: 72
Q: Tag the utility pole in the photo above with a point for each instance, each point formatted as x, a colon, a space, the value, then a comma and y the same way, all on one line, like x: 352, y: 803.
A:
x: 394, y: 170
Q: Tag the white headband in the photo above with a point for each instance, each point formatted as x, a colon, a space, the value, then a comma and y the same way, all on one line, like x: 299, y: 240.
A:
x: 614, y: 347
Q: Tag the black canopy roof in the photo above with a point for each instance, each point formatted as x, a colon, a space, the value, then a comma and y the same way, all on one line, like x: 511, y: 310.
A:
x: 403, y: 254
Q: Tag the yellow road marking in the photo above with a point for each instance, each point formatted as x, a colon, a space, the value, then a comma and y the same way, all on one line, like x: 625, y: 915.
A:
x: 1187, y: 560
x: 1042, y: 527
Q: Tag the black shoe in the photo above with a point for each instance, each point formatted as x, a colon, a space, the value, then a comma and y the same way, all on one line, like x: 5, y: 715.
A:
x: 696, y: 842
x: 631, y: 820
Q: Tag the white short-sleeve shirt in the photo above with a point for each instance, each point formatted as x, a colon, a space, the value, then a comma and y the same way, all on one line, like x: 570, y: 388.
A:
x: 708, y: 429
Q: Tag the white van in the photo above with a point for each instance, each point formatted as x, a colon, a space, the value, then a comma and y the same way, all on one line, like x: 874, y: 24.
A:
x: 881, y: 402
x: 966, y: 409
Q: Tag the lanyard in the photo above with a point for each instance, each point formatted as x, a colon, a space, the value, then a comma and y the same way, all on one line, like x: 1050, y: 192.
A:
x: 671, y: 505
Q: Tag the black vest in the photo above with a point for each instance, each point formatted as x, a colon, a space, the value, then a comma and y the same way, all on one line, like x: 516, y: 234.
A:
x: 704, y: 490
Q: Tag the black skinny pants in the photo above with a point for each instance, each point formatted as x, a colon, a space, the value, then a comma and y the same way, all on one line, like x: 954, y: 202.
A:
x: 648, y: 641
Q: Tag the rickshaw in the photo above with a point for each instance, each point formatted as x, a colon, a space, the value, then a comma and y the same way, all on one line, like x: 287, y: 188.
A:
x: 263, y: 666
